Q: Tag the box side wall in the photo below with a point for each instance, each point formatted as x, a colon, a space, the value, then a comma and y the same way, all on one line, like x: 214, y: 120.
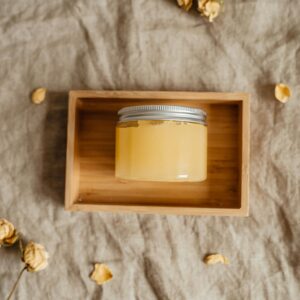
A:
x: 72, y: 159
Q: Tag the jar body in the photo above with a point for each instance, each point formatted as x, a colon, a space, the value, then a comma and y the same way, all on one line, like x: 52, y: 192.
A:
x: 161, y: 150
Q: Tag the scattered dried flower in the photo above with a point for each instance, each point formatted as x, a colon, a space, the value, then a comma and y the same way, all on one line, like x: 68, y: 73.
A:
x: 38, y: 95
x: 35, y: 257
x: 101, y: 274
x: 209, y: 8
x: 8, y: 233
x: 185, y: 4
x: 282, y: 92
x: 213, y: 259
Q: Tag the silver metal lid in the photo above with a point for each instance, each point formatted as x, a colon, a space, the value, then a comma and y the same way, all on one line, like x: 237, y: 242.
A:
x: 162, y: 112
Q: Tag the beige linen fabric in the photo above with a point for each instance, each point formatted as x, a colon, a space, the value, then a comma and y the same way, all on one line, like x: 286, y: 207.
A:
x: 149, y: 45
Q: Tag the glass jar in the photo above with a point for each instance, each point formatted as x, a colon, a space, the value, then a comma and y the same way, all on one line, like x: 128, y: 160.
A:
x: 161, y: 143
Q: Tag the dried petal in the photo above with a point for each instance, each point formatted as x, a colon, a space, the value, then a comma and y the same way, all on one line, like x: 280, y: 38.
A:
x: 213, y: 259
x: 8, y: 233
x: 38, y: 95
x: 282, y: 92
x: 101, y: 274
x: 35, y: 257
x: 185, y: 4
x: 209, y: 8
x: 6, y: 229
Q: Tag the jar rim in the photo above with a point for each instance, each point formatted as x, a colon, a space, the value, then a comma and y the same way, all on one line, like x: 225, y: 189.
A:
x: 162, y: 112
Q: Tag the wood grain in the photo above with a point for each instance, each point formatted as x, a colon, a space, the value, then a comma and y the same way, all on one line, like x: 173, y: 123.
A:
x: 91, y: 184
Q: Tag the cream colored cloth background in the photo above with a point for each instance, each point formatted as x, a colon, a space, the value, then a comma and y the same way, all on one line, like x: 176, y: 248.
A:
x: 149, y: 45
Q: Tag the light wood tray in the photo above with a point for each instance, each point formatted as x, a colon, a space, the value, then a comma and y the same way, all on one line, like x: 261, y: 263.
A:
x: 90, y: 181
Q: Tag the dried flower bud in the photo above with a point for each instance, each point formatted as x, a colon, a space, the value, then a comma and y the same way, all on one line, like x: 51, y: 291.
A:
x: 213, y: 259
x: 35, y: 257
x: 38, y: 95
x: 101, y: 274
x: 282, y: 92
x: 185, y: 4
x: 8, y: 233
x: 209, y: 8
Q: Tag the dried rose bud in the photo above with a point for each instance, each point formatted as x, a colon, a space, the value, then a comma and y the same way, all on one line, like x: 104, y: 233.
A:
x: 185, y: 4
x: 8, y: 233
x: 101, y: 274
x: 282, y: 92
x: 209, y: 8
x: 35, y: 257
x: 213, y: 259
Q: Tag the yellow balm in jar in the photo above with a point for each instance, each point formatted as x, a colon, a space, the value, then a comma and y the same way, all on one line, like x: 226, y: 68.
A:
x: 161, y: 143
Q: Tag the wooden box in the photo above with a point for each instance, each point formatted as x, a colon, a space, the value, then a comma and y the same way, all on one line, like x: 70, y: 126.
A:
x: 90, y: 181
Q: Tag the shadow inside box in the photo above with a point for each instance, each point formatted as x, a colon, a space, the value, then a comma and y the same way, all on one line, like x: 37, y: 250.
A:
x: 54, y: 146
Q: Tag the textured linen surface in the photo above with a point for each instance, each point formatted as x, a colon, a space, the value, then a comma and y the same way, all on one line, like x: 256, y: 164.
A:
x: 149, y: 45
